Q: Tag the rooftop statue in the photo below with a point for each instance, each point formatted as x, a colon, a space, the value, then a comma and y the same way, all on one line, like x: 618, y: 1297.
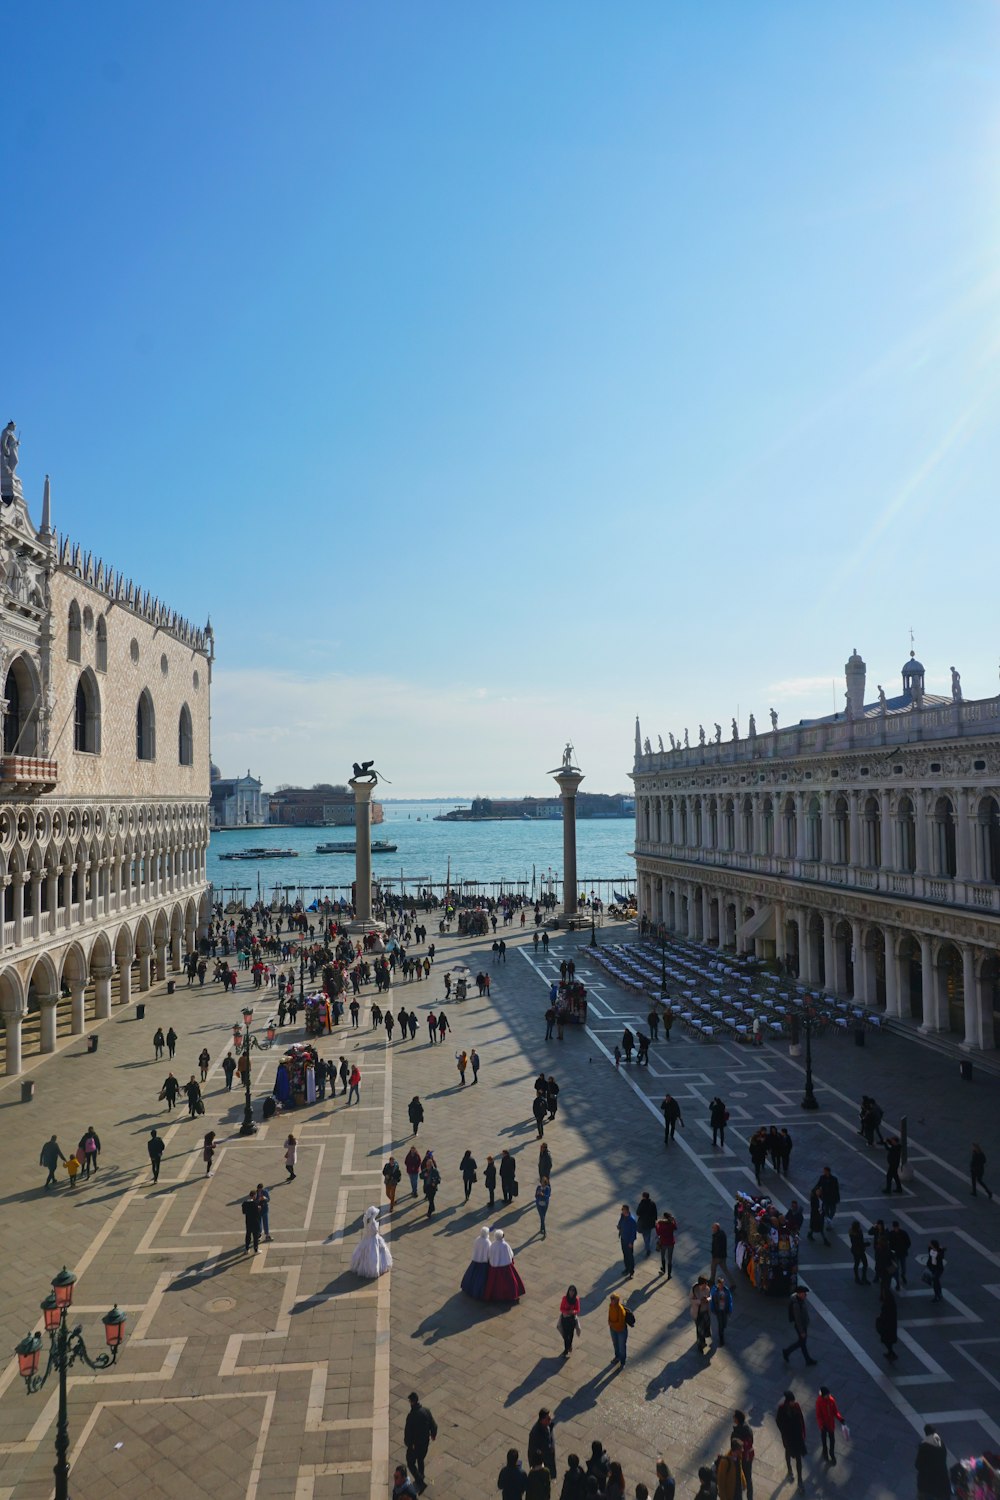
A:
x: 956, y: 686
x: 673, y: 742
x: 736, y: 732
x: 687, y: 742
x: 660, y: 738
x: 881, y: 699
x: 10, y: 485
x: 701, y: 734
x: 718, y: 734
x: 753, y: 726
x: 774, y: 718
x: 646, y: 749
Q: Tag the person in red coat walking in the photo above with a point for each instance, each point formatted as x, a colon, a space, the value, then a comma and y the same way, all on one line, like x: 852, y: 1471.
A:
x: 827, y: 1416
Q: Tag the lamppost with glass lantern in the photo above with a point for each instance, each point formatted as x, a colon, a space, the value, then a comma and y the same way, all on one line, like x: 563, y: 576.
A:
x: 66, y: 1346
x: 809, y: 1100
x: 248, y: 1127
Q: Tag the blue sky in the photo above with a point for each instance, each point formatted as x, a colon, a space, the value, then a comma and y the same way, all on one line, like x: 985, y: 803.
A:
x: 493, y: 374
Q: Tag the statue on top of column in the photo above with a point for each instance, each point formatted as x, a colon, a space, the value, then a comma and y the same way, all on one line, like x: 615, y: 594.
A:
x: 956, y: 686
x: 736, y: 730
x: 701, y: 734
x: 673, y: 742
x: 646, y: 748
x: 660, y: 739
x: 10, y: 485
x: 881, y: 699
x: 718, y: 734
x: 752, y: 731
x: 774, y: 718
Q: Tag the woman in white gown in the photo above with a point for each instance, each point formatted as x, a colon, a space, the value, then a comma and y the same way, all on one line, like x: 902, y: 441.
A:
x: 474, y: 1280
x: 372, y: 1257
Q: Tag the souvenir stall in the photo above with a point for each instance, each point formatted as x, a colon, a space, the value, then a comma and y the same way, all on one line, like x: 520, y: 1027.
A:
x: 473, y: 923
x: 295, y: 1080
x: 571, y: 1003
x: 318, y: 1013
x: 766, y: 1250
x: 977, y: 1478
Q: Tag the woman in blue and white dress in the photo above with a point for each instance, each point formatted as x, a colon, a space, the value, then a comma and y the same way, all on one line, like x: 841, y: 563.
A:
x: 474, y: 1280
x: 372, y: 1257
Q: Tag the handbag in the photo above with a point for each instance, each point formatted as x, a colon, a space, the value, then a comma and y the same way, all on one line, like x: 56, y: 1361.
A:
x: 515, y: 1188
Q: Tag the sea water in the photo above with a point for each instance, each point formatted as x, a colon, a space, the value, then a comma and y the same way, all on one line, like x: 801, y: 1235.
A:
x: 525, y: 854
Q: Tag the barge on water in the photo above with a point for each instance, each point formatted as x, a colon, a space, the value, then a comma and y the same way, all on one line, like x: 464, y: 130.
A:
x: 377, y: 846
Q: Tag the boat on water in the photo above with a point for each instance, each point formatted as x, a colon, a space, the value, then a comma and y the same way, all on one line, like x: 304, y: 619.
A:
x: 377, y: 846
x: 261, y: 854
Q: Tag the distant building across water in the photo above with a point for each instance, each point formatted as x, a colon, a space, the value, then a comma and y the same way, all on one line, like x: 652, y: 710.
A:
x: 588, y: 805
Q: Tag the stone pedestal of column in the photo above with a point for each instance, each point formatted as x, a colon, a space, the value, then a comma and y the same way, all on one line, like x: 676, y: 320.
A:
x: 568, y: 780
x: 363, y: 920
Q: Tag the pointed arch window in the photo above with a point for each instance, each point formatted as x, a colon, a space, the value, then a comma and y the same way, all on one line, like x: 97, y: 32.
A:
x: 87, y: 716
x: 101, y: 658
x: 74, y: 632
x: 20, y: 719
x: 185, y: 738
x: 145, y: 728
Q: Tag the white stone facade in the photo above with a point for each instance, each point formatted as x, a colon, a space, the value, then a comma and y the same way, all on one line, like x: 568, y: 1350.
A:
x: 104, y: 782
x: 860, y: 851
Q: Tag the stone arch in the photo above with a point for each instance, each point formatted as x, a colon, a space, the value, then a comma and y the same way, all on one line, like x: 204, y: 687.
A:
x: 988, y: 979
x: 12, y: 1010
x: 906, y: 834
x: 143, y: 936
x: 873, y: 942
x: 911, y: 976
x: 841, y: 852
x: 74, y: 632
x: 22, y: 693
x: 125, y: 957
x: 87, y: 715
x: 988, y: 840
x: 951, y: 991
x: 943, y: 838
x: 871, y: 843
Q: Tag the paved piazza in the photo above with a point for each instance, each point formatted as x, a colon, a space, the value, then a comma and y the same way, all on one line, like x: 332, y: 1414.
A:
x: 282, y: 1375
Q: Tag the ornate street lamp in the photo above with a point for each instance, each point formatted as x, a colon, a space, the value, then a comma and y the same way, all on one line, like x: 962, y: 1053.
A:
x: 809, y: 1100
x: 248, y: 1127
x: 302, y: 976
x: 66, y: 1346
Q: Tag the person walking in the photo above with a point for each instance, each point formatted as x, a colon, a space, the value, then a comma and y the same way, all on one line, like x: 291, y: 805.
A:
x: 251, y: 1220
x: 574, y: 1485
x: 551, y: 1097
x: 829, y: 1193
x: 355, y: 1010
x: 432, y: 1181
x: 935, y: 1268
x: 392, y: 1177
x: 784, y: 1151
x: 798, y: 1316
x: 159, y: 1042
x: 291, y: 1156
x: 671, y: 1112
x: 887, y: 1322
x: 645, y: 1218
x: 859, y: 1251
x: 411, y: 1163
x: 899, y: 1244
x: 722, y: 1306
x: 730, y: 1475
x: 403, y: 1487
x: 204, y: 1062
x: 193, y: 1091
x: 817, y: 1223
x: 627, y: 1229
x: 893, y: 1157
x: 228, y: 1068
x: 508, y: 1177
x: 155, y: 1148
x: 208, y: 1151
x: 544, y: 1161
x: 666, y: 1234
x: 538, y: 1109
x: 264, y: 1206
x: 977, y: 1166
x: 792, y: 1428
x: 171, y: 1042
x: 653, y: 1022
x: 171, y: 1088
x: 699, y: 1308
x: 757, y: 1149
x: 512, y: 1480
x: 718, y: 1118
x: 467, y: 1167
x: 933, y: 1478
x: 719, y: 1248
x: 344, y: 1073
x: 827, y: 1416
x: 490, y: 1179
x: 742, y: 1433
x: 354, y: 1085
x: 72, y: 1166
x: 543, y: 1193
x: 415, y: 1111
x: 541, y: 1442
x: 49, y: 1158
x: 418, y: 1434
x: 569, y: 1319
x: 443, y: 1025
x: 462, y: 1062
x: 620, y: 1320
x: 474, y: 1065
x: 88, y: 1150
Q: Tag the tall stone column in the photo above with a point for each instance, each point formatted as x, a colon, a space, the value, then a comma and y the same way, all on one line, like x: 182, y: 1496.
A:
x: 102, y: 998
x: 891, y: 973
x: 125, y: 982
x: 929, y: 983
x: 145, y: 968
x: 363, y: 852
x: 47, y: 1016
x: 568, y: 780
x: 829, y: 955
x: 12, y: 1027
x: 974, y: 1029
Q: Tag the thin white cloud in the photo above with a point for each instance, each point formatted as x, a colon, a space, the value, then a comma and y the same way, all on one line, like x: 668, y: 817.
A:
x: 809, y: 688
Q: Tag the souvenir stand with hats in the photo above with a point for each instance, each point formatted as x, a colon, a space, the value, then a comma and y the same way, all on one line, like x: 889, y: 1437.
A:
x: 766, y: 1249
x: 295, y: 1081
x: 318, y: 1014
x: 977, y: 1478
x: 572, y: 1002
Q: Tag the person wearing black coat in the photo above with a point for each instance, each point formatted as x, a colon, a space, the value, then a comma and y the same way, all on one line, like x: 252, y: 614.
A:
x: 792, y: 1427
x: 541, y: 1443
x: 574, y: 1485
x: 886, y: 1321
x: 419, y: 1432
x: 539, y: 1109
x: 490, y: 1178
x: 717, y: 1116
x: 512, y: 1480
x: 508, y: 1178
x: 933, y: 1481
x: 415, y: 1110
x: 893, y: 1157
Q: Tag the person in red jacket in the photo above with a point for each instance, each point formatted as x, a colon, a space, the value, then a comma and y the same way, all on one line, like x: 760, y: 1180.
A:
x: 666, y: 1233
x: 827, y: 1417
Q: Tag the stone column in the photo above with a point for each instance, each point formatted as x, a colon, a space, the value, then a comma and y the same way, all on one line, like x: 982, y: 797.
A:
x: 12, y: 1026
x: 706, y: 913
x: 568, y: 779
x: 855, y: 853
x: 66, y: 871
x: 363, y: 851
x: 929, y: 984
x: 47, y: 1015
x: 780, y: 950
x: 102, y: 998
x: 964, y: 866
x: 161, y: 962
x: 18, y: 880
x: 36, y: 905
x: 922, y: 833
x: 125, y: 982
x: 829, y: 954
x: 800, y: 826
x: 891, y: 972
x: 145, y: 967
x: 974, y: 1031
x: 860, y: 967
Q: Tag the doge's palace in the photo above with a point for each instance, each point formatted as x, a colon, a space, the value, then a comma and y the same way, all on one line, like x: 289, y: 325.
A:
x: 859, y: 851
x: 104, y: 779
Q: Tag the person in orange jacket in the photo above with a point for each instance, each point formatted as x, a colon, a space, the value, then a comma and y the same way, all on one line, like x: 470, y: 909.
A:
x: 827, y: 1417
